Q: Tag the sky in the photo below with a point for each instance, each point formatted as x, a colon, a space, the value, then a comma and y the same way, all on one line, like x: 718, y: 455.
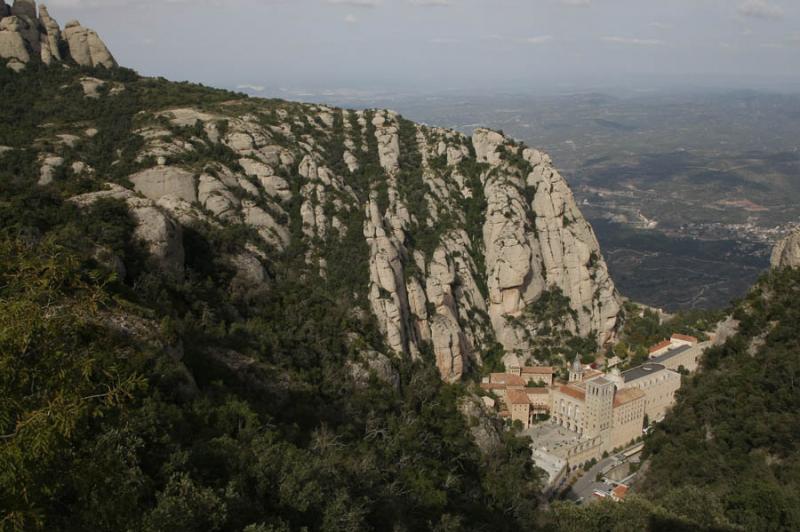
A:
x: 268, y: 46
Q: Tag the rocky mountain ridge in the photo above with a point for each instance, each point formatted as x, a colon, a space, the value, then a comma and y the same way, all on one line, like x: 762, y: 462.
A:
x: 448, y: 241
x: 26, y: 36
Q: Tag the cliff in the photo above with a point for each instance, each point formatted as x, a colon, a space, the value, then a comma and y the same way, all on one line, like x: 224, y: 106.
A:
x: 448, y: 241
x: 786, y: 253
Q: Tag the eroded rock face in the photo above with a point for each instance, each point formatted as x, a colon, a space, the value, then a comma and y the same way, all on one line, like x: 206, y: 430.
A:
x: 538, y: 245
x: 457, y: 237
x: 24, y: 35
x: 786, y: 253
x: 161, y: 181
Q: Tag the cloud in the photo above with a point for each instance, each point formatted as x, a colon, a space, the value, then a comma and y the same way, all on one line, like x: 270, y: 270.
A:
x: 431, y: 3
x: 660, y: 26
x: 351, y: 18
x: 760, y: 9
x: 444, y: 40
x: 249, y: 87
x: 633, y: 41
x: 541, y: 39
x: 355, y: 3
x: 577, y: 3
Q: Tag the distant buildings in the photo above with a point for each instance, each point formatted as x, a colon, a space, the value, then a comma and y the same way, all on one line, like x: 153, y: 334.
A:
x: 602, y: 411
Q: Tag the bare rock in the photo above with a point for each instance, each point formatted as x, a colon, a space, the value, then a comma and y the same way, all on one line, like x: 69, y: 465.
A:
x: 85, y: 46
x: 374, y: 364
x: 90, y: 86
x: 24, y: 8
x: 786, y: 254
x: 50, y: 164
x: 483, y: 427
x: 159, y: 232
x: 161, y: 181
x: 12, y: 43
x: 51, y: 38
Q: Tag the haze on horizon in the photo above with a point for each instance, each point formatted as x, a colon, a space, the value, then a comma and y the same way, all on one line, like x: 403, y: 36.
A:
x: 263, y: 46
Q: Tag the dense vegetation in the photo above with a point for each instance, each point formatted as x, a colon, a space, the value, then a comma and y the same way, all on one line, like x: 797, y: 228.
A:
x: 132, y: 401
x: 644, y: 327
x: 735, y: 430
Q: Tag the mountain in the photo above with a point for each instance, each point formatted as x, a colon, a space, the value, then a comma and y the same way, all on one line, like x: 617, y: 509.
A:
x: 449, y: 241
x: 241, y: 313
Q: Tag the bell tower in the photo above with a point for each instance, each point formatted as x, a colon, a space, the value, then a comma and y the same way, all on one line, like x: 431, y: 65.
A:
x: 576, y: 370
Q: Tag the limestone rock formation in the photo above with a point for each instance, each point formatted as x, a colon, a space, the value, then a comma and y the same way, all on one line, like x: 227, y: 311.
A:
x: 160, y: 233
x: 449, y: 241
x: 786, y: 253
x: 25, y: 35
x: 85, y: 46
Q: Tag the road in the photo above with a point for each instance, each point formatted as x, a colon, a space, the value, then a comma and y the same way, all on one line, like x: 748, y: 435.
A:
x: 583, y: 487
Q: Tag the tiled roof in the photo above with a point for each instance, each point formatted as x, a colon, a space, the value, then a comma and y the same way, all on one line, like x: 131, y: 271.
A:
x: 620, y: 491
x: 685, y: 338
x: 626, y: 395
x: 573, y: 392
x: 539, y: 370
x: 508, y: 379
x: 537, y: 391
x: 517, y: 397
x: 661, y: 345
x: 493, y: 386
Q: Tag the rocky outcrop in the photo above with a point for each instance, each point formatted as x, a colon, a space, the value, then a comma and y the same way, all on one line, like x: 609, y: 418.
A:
x: 536, y: 239
x: 458, y: 237
x: 159, y: 232
x: 483, y: 426
x: 24, y: 35
x: 155, y: 183
x: 786, y: 253
x: 85, y: 46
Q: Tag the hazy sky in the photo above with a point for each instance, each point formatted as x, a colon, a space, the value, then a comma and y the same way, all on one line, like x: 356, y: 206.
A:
x: 444, y: 44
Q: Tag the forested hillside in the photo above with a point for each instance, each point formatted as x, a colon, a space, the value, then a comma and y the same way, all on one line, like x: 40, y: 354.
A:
x: 136, y: 399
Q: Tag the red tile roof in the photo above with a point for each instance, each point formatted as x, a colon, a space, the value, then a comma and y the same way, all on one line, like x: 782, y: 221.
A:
x: 685, y: 338
x: 539, y: 370
x: 620, y: 491
x: 508, y: 379
x: 517, y: 397
x: 573, y: 392
x: 537, y: 391
x: 492, y: 386
x: 660, y: 346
